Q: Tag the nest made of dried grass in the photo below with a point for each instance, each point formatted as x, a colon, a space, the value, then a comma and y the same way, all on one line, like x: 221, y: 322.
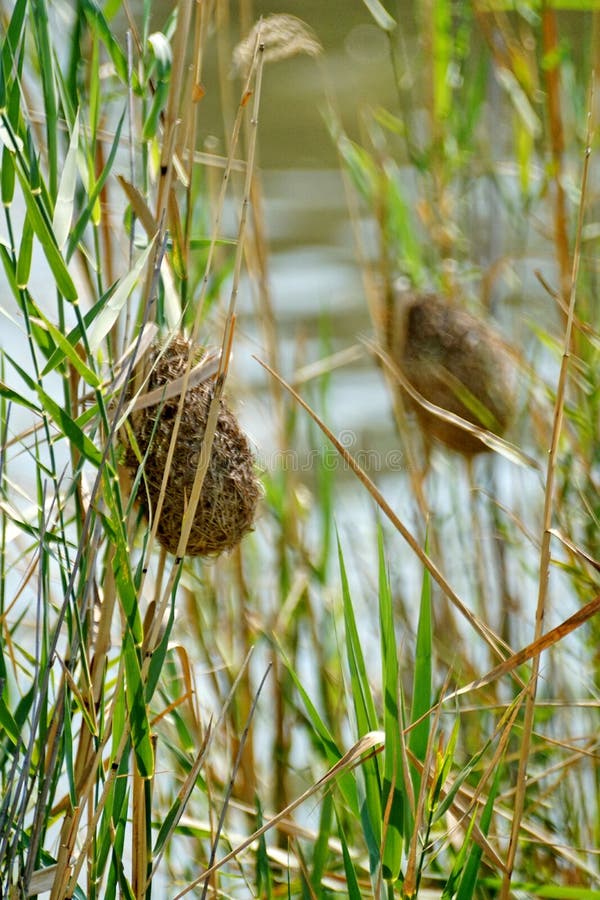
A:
x: 231, y: 490
x: 458, y: 363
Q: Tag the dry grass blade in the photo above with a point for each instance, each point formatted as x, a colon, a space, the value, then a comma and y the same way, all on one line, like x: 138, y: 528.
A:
x: 171, y: 116
x: 374, y: 740
x: 491, y: 639
x: 534, y: 649
x: 491, y: 440
x: 327, y: 364
x: 578, y: 551
x: 544, y: 566
x: 139, y: 207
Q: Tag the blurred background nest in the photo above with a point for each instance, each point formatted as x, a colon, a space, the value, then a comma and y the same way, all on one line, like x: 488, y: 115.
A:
x: 458, y: 363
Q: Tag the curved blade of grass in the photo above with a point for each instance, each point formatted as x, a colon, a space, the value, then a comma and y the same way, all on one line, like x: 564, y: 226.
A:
x: 7, y: 177
x: 380, y: 14
x: 10, y: 270
x: 14, y: 396
x: 63, y: 209
x: 393, y: 797
x: 64, y: 282
x: 100, y: 27
x: 8, y: 173
x: 109, y: 314
x: 14, y: 33
x: 25, y: 254
x: 69, y: 351
x: 66, y: 425
x: 57, y: 357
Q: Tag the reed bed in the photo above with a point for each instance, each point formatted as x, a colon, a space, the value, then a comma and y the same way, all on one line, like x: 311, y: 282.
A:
x: 397, y: 702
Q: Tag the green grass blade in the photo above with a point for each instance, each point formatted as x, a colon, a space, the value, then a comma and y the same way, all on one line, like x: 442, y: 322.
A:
x: 393, y: 781
x: 459, y: 779
x: 453, y: 881
x: 422, y: 682
x: 7, y: 722
x: 124, y: 580
x: 10, y: 269
x: 345, y: 781
x: 58, y: 354
x: 366, y: 719
x: 442, y: 37
x: 69, y: 351
x: 25, y: 254
x: 115, y: 303
x: 7, y: 177
x: 468, y: 881
x: 42, y: 230
x: 46, y: 63
x: 66, y: 425
x: 321, y: 848
x: 8, y: 174
x: 264, y: 880
x: 68, y: 745
x: 14, y: 34
x: 444, y: 762
x: 136, y: 704
x: 94, y: 193
x: 65, y: 200
x: 353, y: 891
x: 100, y: 27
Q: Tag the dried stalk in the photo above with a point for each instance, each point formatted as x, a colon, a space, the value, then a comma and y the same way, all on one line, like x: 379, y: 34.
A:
x: 544, y: 567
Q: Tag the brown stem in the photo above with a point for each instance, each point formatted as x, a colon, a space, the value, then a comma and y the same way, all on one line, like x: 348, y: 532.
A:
x: 557, y: 146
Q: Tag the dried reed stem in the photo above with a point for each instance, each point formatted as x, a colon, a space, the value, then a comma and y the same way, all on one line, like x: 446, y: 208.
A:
x: 544, y: 567
x: 557, y: 146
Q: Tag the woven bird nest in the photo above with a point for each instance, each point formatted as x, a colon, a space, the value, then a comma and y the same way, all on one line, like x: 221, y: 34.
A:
x: 457, y: 363
x: 230, y: 492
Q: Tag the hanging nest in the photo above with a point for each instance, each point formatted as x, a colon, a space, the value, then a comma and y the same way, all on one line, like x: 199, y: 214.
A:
x: 227, y: 505
x: 456, y: 362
